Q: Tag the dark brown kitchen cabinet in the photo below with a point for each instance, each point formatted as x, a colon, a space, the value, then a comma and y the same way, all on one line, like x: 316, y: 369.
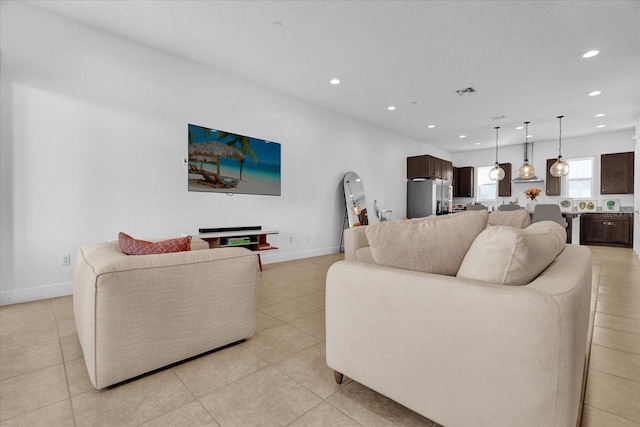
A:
x: 616, y: 173
x: 553, y: 183
x: 434, y: 167
x: 424, y: 166
x: 504, y: 185
x: 447, y: 171
x: 463, y: 181
x: 607, y: 230
x: 416, y: 167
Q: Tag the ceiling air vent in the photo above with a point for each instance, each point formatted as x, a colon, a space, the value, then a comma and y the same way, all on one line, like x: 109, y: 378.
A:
x: 465, y: 91
x: 492, y: 118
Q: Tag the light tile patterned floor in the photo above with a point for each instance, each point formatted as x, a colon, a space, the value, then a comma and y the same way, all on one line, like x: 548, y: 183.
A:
x: 279, y: 377
x: 613, y: 382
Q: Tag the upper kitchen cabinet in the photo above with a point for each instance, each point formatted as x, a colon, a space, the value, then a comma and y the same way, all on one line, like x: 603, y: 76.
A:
x: 463, y: 183
x: 424, y: 166
x: 447, y: 170
x: 504, y: 185
x: 616, y: 173
x: 553, y: 182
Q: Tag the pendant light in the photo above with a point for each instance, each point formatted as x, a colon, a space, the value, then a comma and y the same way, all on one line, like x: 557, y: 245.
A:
x: 497, y: 173
x: 560, y: 167
x: 354, y: 206
x: 527, y: 171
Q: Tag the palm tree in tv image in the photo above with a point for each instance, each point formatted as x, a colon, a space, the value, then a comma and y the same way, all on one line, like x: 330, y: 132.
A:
x: 240, y: 142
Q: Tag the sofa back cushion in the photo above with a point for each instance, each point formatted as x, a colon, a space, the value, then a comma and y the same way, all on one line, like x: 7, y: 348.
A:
x: 512, y: 256
x: 130, y: 246
x: 519, y: 218
x: 435, y: 244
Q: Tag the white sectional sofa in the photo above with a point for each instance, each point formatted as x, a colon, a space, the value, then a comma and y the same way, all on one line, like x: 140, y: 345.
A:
x: 462, y: 351
x: 135, y: 314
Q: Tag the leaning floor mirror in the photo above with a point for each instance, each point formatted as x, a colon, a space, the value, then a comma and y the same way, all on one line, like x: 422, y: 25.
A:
x: 356, y: 205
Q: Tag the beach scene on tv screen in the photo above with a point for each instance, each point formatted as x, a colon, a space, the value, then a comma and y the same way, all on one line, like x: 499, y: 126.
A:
x: 225, y: 162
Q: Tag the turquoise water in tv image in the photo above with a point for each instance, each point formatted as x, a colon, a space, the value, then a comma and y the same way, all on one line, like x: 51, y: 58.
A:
x: 224, y: 162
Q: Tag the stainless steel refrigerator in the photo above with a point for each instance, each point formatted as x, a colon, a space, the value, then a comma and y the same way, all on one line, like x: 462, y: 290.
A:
x: 428, y: 197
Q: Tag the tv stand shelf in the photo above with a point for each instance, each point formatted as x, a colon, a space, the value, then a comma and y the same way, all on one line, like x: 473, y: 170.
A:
x: 255, y: 240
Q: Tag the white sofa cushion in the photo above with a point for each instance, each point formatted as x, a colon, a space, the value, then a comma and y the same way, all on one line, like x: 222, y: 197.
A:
x: 517, y: 219
x: 436, y: 244
x: 512, y: 256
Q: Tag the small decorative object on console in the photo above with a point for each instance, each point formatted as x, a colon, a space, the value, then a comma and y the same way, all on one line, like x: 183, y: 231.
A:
x: 611, y: 205
x: 566, y: 205
x: 586, y: 206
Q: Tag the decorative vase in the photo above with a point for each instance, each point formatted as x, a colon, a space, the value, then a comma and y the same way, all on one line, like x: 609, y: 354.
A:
x: 531, y: 206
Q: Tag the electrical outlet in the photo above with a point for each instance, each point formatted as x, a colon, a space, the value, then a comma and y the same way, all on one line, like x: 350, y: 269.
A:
x: 65, y: 259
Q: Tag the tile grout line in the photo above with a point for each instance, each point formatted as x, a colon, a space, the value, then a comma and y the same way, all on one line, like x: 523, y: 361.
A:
x: 614, y: 329
x: 587, y: 361
x: 614, y: 375
x: 616, y: 349
x: 64, y: 365
x: 611, y: 413
x: 195, y: 399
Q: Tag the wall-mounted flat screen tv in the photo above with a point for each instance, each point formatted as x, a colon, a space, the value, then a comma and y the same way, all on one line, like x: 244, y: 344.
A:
x: 225, y: 162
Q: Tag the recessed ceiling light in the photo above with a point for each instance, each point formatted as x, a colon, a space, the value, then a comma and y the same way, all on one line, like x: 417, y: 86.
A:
x: 601, y: 126
x: 431, y: 126
x: 476, y: 143
x: 599, y: 115
x: 520, y: 127
x: 595, y: 93
x: 529, y: 136
x: 462, y: 136
x: 334, y: 81
x: 391, y: 108
x: 591, y: 54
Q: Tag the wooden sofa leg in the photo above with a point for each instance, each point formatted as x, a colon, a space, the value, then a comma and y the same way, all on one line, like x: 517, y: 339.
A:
x: 338, y: 376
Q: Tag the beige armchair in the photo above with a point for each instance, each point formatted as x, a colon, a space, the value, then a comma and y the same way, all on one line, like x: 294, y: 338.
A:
x: 135, y: 314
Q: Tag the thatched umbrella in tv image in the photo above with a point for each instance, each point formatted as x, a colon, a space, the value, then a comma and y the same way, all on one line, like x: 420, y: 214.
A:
x: 212, y: 152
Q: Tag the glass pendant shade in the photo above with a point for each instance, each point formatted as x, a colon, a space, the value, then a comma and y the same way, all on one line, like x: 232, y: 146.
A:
x: 527, y: 170
x: 560, y: 167
x: 355, y: 209
x: 497, y: 173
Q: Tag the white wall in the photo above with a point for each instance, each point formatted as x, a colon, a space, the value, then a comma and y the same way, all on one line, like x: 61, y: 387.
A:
x: 94, y: 132
x: 586, y: 146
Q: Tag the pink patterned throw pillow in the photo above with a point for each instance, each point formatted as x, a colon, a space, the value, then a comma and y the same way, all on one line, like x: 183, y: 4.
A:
x: 130, y: 246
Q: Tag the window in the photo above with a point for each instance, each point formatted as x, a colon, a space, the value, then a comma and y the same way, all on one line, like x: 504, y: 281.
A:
x: 487, y: 189
x: 578, y: 184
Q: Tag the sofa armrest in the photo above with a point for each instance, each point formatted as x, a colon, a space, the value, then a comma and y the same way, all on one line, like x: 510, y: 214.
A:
x: 356, y: 245
x: 197, y: 244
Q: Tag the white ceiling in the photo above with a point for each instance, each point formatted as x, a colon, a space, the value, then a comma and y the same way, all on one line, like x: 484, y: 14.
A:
x: 524, y: 58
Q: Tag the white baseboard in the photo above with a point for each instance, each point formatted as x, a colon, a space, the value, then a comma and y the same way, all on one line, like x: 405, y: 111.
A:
x: 34, y: 294
x: 276, y: 256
